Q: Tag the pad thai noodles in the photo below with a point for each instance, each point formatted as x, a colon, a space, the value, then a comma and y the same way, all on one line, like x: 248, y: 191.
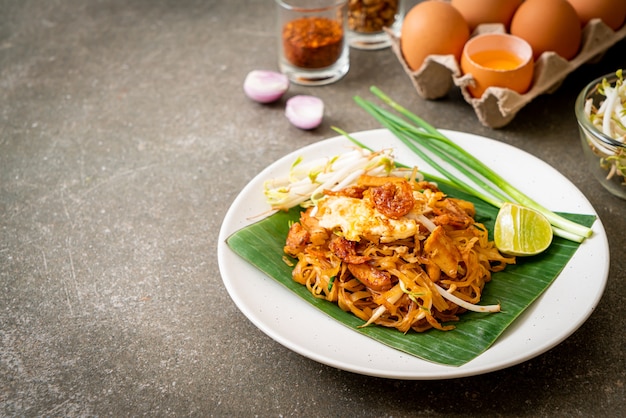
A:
x: 396, y: 252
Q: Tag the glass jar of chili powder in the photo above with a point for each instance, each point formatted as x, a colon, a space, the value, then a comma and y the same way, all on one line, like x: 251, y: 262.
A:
x: 312, y: 46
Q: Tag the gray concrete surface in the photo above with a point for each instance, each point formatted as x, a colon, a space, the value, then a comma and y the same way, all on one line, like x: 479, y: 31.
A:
x: 124, y: 138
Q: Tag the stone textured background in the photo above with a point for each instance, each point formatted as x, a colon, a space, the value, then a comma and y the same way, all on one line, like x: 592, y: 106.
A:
x: 125, y: 136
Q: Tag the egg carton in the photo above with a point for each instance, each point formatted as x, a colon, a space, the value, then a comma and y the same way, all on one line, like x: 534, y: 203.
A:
x: 498, y: 106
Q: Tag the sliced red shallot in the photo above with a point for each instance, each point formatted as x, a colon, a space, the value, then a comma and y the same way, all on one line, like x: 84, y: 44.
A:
x: 305, y: 112
x: 265, y: 86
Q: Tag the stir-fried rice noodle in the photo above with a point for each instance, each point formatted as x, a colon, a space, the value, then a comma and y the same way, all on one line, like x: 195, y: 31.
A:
x: 381, y: 248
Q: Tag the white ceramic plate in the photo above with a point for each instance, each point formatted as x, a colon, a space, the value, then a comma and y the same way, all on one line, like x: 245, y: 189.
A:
x: 299, y: 326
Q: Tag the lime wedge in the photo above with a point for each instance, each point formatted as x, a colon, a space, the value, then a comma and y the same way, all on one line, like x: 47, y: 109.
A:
x: 521, y: 231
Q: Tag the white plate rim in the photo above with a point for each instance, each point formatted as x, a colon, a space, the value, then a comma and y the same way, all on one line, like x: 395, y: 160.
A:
x: 280, y: 314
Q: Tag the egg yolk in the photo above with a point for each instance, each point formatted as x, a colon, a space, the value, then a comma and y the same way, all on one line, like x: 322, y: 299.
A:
x: 497, y: 60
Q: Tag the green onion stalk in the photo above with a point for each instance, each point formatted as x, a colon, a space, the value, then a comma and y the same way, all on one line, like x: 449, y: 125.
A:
x: 427, y: 142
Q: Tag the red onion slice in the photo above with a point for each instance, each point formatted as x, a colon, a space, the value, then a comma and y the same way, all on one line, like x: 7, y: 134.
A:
x: 265, y: 86
x: 305, y: 112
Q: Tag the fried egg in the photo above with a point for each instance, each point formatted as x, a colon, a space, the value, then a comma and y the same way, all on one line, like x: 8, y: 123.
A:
x: 357, y: 218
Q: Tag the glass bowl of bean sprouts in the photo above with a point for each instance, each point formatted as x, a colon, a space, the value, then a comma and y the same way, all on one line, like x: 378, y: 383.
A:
x: 601, y: 114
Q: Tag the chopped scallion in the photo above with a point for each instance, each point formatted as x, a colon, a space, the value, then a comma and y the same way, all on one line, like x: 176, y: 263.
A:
x: 330, y: 283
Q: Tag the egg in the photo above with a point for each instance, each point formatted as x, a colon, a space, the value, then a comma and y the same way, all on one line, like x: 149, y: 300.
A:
x: 611, y: 12
x: 477, y: 12
x: 432, y: 28
x: 356, y: 218
x: 548, y: 25
x: 497, y: 60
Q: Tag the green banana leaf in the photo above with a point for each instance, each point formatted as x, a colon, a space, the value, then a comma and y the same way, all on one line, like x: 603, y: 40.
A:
x: 515, y: 288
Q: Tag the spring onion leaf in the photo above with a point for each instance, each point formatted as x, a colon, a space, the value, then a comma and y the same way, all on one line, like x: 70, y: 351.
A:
x: 331, y: 282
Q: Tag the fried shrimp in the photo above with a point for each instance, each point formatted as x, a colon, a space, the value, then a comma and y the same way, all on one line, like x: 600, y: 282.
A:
x: 394, y: 252
x: 392, y: 196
